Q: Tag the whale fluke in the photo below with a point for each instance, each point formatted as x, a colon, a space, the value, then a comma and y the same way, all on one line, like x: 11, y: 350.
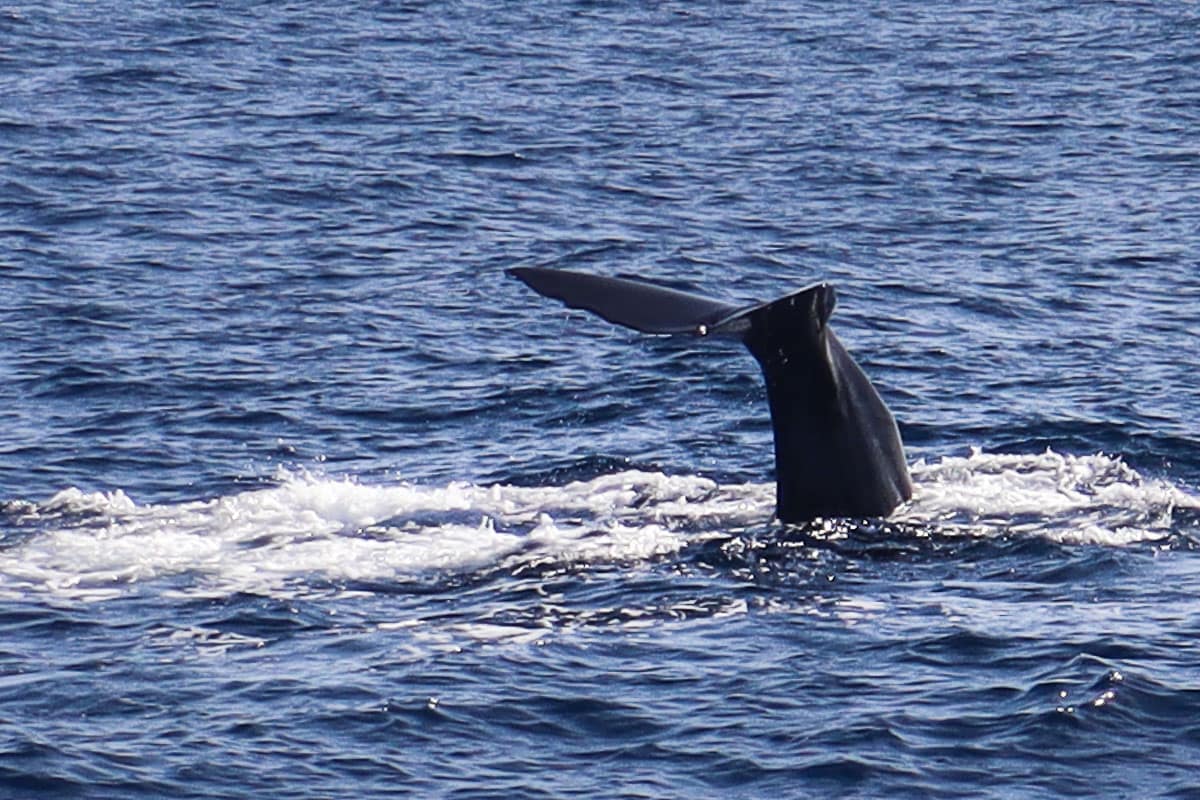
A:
x: 837, y: 448
x: 641, y: 305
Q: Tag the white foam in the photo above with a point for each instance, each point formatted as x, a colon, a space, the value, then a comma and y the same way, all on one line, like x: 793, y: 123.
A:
x: 1094, y: 499
x: 94, y: 546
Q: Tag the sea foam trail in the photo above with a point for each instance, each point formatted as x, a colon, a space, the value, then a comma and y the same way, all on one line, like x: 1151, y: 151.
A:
x: 1095, y: 499
x: 97, y: 545
x: 94, y: 545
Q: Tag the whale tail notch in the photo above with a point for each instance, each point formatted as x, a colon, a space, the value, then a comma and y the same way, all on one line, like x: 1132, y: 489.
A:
x: 838, y: 451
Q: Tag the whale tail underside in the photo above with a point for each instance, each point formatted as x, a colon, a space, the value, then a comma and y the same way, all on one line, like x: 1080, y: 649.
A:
x: 838, y: 451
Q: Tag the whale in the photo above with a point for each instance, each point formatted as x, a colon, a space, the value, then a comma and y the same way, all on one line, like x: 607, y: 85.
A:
x: 838, y: 451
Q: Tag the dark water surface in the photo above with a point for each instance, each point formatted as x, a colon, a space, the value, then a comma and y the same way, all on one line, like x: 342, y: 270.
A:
x: 300, y: 497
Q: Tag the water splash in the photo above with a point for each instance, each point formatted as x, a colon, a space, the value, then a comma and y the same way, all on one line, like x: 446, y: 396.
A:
x: 95, y: 546
x: 1095, y: 499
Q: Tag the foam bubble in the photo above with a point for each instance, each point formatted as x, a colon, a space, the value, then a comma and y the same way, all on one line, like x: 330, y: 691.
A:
x: 1093, y: 499
x: 90, y: 546
x: 94, y: 546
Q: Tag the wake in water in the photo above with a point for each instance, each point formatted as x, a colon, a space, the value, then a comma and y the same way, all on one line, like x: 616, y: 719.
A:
x: 1094, y: 499
x: 95, y: 546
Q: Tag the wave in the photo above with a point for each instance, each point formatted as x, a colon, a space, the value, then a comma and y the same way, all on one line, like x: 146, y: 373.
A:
x: 312, y: 530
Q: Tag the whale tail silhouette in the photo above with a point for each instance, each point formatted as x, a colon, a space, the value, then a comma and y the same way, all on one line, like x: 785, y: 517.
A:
x: 838, y: 451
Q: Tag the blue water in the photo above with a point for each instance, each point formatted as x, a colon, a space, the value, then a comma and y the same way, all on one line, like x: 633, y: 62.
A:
x: 301, y: 497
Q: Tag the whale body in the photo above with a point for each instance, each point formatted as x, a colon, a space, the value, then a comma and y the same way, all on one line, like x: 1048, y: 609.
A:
x: 838, y: 451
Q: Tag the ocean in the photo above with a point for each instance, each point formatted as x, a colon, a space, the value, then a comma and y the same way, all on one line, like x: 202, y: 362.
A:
x: 302, y: 497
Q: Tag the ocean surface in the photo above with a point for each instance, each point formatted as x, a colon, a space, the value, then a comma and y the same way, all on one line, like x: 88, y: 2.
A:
x: 302, y: 497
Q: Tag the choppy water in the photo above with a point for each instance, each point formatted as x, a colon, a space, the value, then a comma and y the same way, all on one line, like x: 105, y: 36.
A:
x: 301, y: 498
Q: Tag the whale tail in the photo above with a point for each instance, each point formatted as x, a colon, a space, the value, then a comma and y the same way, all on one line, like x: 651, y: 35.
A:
x: 838, y: 451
